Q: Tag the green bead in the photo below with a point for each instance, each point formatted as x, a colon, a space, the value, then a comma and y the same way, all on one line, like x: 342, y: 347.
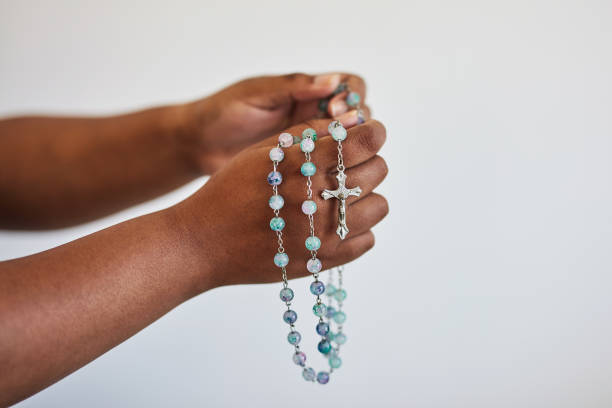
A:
x: 296, y: 139
x: 335, y: 361
x: 310, y: 133
x: 340, y: 295
x: 339, y: 317
x: 319, y: 309
x: 353, y: 99
x: 313, y: 243
x: 330, y: 290
x: 277, y: 224
x: 308, y: 169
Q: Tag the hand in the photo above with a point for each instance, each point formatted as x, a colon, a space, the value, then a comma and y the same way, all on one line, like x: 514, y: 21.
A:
x: 217, y: 127
x: 229, y: 216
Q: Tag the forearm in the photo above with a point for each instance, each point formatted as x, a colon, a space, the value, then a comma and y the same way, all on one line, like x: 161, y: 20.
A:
x: 63, y: 171
x: 96, y: 291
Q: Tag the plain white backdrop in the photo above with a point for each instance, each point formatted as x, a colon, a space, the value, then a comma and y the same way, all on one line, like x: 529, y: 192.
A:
x: 490, y: 281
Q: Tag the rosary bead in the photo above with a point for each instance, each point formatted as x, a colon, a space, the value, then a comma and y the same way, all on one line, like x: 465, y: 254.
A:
x: 330, y: 290
x: 313, y: 243
x: 353, y: 99
x: 340, y: 338
x: 289, y: 317
x: 296, y: 139
x: 308, y: 169
x: 281, y: 259
x: 340, y: 295
x: 309, y: 133
x: 335, y: 361
x: 307, y: 145
x: 309, y: 207
x: 323, y: 104
x: 324, y: 346
x: 308, y: 374
x: 277, y: 154
x: 330, y: 337
x: 285, y: 139
x: 341, y: 88
x: 286, y: 294
x: 332, y: 125
x: 299, y: 358
x: 319, y: 309
x: 339, y: 317
x: 275, y: 178
x: 317, y: 288
x: 329, y: 313
x: 294, y: 337
x: 339, y: 133
x: 322, y: 329
x: 314, y: 265
x: 276, y: 202
x: 323, y: 377
x: 277, y: 224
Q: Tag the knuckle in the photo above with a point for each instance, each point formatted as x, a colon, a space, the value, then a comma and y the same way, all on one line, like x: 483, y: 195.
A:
x: 296, y: 76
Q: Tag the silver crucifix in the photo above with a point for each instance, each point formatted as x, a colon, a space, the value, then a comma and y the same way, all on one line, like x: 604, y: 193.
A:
x: 341, y: 193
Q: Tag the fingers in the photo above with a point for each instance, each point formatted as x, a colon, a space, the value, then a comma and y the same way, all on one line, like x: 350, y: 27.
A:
x: 367, y: 175
x: 337, y: 104
x: 365, y: 213
x: 352, y: 248
x: 304, y: 87
x: 362, y: 143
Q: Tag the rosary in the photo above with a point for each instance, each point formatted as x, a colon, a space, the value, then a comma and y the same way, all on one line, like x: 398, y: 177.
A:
x: 327, y: 315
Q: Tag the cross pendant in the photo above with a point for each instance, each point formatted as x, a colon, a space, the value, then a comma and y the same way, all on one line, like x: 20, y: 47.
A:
x: 341, y: 193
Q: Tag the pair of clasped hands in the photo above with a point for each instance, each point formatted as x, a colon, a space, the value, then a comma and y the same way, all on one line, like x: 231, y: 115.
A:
x: 248, y: 118
x: 61, y: 308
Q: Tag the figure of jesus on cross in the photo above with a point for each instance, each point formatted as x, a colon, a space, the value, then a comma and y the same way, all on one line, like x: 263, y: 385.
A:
x: 341, y: 193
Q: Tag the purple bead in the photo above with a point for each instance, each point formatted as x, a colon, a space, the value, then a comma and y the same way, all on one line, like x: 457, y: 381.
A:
x: 322, y: 329
x: 317, y: 288
x: 275, y: 178
x: 299, y: 358
x: 323, y: 377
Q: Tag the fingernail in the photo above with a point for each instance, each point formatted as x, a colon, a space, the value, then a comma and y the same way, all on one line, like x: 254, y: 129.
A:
x: 337, y: 108
x: 350, y: 118
x: 330, y: 81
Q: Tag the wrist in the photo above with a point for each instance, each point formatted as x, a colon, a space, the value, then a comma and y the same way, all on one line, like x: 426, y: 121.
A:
x: 180, y: 123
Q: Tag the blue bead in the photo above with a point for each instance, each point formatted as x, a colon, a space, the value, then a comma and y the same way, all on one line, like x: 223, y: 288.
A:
x: 276, y: 202
x: 313, y: 243
x: 324, y: 346
x: 281, y: 259
x: 289, y: 317
x: 275, y: 178
x: 308, y: 374
x: 294, y: 337
x: 277, y: 224
x: 329, y: 313
x: 323, y: 377
x: 308, y: 169
x: 286, y: 294
x: 322, y: 329
x: 331, y: 289
x: 317, y: 288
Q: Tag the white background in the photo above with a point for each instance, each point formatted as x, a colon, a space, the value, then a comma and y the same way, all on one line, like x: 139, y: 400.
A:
x: 490, y: 282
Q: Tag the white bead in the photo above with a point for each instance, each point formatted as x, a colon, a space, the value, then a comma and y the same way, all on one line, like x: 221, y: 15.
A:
x: 285, y: 139
x: 277, y: 154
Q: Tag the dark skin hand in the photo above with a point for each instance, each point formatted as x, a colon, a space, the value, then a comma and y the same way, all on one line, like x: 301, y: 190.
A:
x: 64, y: 307
x: 61, y: 171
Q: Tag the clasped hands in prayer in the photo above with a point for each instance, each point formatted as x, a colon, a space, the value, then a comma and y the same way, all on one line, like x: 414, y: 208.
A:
x: 61, y: 308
